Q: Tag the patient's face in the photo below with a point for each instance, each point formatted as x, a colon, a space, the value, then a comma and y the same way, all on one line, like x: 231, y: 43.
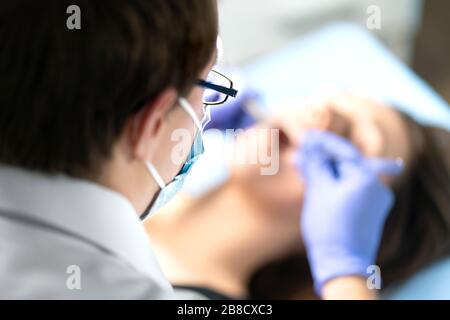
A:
x: 375, y: 129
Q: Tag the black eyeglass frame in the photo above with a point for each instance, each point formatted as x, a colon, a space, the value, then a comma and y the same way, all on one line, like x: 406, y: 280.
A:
x: 227, y: 91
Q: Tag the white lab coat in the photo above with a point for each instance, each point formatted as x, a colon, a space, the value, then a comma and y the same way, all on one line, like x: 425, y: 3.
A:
x: 65, y: 238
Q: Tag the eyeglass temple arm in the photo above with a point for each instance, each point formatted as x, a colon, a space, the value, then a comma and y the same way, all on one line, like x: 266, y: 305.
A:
x: 228, y: 91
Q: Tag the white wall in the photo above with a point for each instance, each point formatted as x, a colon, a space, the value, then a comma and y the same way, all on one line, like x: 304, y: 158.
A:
x: 250, y: 28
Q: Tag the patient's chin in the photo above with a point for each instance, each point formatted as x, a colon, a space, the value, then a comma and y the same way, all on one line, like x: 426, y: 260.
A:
x: 281, y: 192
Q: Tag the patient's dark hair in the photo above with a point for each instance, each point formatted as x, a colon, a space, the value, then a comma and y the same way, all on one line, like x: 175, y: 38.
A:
x: 65, y: 95
x: 416, y: 233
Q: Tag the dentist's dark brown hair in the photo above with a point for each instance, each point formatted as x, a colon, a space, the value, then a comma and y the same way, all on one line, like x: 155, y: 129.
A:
x: 65, y: 95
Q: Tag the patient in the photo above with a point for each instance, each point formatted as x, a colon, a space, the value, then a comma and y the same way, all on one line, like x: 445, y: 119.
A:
x: 254, y: 219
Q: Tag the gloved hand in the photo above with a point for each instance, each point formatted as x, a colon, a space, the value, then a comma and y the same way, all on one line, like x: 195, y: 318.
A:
x: 232, y: 114
x: 345, y: 206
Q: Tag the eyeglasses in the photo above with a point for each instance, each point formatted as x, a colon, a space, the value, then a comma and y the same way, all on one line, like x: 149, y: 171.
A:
x: 217, y: 89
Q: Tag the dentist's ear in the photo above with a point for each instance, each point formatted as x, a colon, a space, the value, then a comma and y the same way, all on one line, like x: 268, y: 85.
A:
x: 144, y: 129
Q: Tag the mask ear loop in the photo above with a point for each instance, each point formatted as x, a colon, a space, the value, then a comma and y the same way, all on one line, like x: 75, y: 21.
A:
x: 151, y: 168
x: 186, y: 107
x: 190, y: 111
x: 159, y: 180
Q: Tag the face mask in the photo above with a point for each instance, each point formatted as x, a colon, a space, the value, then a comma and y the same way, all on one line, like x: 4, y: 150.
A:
x: 168, y: 191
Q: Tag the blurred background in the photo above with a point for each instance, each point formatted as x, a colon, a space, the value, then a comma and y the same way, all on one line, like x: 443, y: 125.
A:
x: 282, y: 55
x: 416, y: 31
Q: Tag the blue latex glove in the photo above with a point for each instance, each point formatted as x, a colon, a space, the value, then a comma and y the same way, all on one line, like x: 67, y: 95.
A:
x: 345, y: 206
x: 232, y: 114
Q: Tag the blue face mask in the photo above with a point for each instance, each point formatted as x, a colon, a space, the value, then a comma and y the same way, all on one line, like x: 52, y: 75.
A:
x: 168, y: 191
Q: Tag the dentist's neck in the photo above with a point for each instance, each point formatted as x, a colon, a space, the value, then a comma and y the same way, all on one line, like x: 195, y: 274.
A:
x: 130, y: 180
